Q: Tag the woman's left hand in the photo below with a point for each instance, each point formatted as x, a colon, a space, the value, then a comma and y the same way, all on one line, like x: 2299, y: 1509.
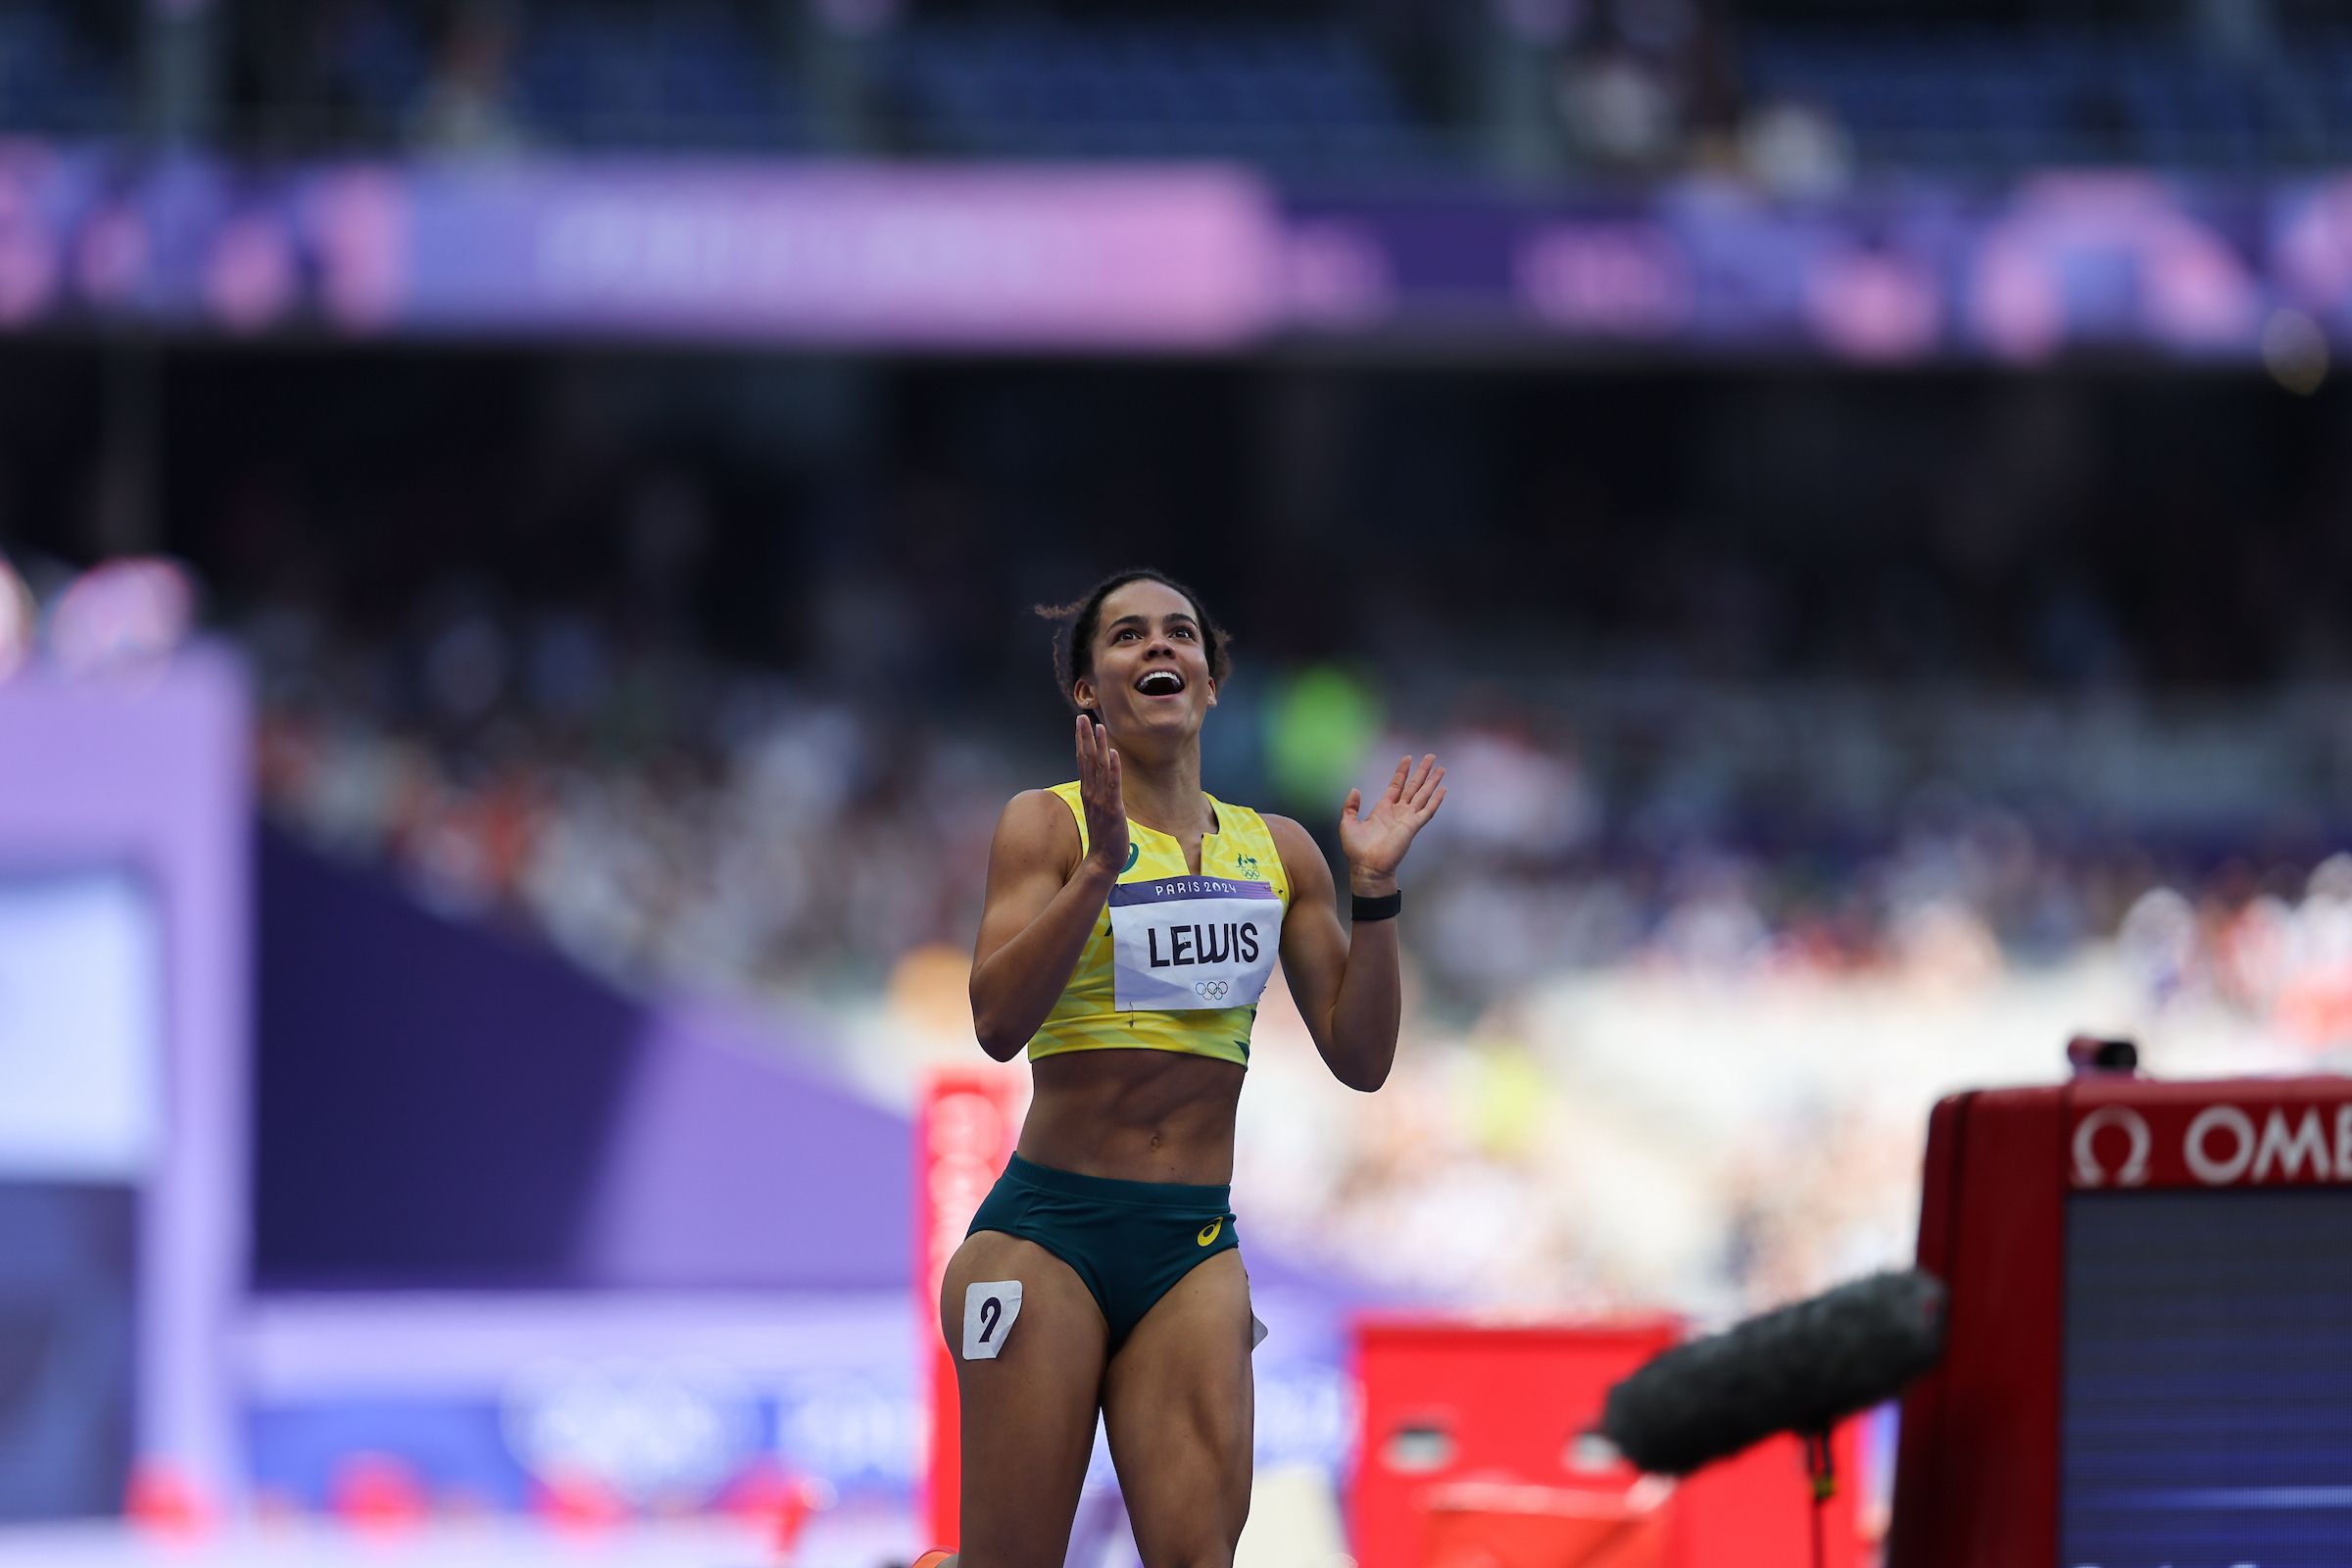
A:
x: 1375, y: 841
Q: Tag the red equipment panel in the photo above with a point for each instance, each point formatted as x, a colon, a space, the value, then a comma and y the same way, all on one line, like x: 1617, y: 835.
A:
x: 1475, y: 1524
x: 1449, y: 1403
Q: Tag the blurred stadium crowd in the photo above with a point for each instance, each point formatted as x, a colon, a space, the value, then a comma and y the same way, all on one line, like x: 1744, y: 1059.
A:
x: 1768, y: 821
x: 693, y: 827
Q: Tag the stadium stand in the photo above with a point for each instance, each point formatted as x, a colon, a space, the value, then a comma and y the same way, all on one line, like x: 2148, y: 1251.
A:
x: 1293, y: 100
x: 2006, y: 99
x: 55, y: 80
x: 1307, y: 101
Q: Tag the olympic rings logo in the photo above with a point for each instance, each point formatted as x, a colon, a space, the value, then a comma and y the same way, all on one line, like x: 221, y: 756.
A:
x: 1213, y: 990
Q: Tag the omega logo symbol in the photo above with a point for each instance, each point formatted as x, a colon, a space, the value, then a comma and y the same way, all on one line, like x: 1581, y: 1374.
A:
x: 2088, y: 1170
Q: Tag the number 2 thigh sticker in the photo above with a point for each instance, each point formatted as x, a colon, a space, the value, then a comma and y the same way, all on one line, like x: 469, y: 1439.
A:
x: 989, y: 1308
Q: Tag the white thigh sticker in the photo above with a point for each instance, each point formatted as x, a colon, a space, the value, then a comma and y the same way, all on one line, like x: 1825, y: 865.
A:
x: 989, y: 1308
x: 1257, y: 1331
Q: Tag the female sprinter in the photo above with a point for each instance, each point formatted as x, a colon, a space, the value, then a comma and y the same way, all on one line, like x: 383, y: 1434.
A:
x: 1132, y: 921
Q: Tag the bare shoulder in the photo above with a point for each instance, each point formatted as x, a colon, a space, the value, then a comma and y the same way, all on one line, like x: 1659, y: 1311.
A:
x: 1037, y: 807
x: 1302, y: 857
x: 1037, y: 825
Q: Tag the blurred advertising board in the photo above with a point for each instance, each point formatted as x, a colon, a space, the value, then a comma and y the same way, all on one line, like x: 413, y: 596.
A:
x: 1169, y: 258
x: 663, y: 1403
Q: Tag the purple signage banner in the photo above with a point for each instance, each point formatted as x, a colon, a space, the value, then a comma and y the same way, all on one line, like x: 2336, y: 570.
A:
x: 2017, y: 274
x: 1171, y: 258
x: 820, y: 255
x: 836, y: 255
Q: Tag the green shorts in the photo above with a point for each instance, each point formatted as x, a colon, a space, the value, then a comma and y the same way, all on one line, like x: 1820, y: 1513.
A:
x: 1130, y: 1242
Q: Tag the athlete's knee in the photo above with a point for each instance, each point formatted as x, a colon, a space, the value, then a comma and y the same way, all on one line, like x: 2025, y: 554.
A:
x: 1208, y: 1544
x: 1206, y: 1555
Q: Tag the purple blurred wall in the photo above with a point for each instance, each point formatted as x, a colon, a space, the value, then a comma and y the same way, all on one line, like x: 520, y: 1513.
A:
x: 144, y: 772
x: 440, y: 1105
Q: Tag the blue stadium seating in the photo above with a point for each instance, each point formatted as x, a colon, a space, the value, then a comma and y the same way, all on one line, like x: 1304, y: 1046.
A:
x: 2000, y: 100
x: 50, y: 83
x: 1293, y: 100
x: 386, y: 64
x: 1304, y: 102
x: 676, y: 77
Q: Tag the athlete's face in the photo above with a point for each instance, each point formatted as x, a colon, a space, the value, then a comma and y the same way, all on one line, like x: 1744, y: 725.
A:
x: 1151, y: 665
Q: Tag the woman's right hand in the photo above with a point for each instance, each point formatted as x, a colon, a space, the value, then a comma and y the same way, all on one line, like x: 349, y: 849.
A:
x: 1098, y: 790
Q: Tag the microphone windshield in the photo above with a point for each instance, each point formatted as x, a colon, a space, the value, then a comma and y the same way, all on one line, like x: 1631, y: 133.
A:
x: 1801, y: 1368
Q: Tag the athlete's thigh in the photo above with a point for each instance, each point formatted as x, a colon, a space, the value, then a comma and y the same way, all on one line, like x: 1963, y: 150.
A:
x: 1179, y: 1405
x: 1028, y: 1412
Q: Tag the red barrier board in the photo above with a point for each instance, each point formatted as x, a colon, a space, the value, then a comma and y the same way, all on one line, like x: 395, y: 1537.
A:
x: 965, y: 1131
x: 1449, y: 1403
x: 1486, y: 1524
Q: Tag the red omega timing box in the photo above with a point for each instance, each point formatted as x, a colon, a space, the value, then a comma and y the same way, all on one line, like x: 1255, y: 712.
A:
x: 2148, y: 1356
x: 1452, y: 1403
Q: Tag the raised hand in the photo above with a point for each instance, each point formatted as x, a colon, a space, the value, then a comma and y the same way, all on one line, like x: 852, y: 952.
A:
x: 1375, y: 841
x: 1099, y: 792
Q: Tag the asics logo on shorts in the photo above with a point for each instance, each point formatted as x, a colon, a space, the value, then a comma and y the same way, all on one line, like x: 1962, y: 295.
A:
x: 1208, y: 1232
x: 1213, y: 990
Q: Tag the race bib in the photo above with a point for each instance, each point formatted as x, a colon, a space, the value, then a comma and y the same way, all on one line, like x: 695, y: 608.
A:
x: 1185, y: 943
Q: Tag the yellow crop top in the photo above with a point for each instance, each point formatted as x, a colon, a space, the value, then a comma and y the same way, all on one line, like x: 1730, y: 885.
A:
x: 1177, y: 961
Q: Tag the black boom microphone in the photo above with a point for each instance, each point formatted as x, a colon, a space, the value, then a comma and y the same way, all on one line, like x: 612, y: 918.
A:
x: 1800, y: 1368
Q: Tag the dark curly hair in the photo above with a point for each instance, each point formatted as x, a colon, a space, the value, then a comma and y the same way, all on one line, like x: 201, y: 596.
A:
x: 1075, y: 624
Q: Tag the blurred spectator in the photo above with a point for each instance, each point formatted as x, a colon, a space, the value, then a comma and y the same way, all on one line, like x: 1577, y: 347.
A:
x: 1794, y: 148
x: 467, y: 107
x: 1649, y: 88
x: 19, y: 620
x: 1620, y: 110
x: 121, y: 615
